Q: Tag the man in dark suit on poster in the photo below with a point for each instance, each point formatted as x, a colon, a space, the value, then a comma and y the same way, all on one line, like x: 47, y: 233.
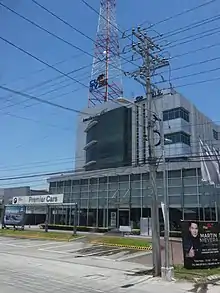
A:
x: 192, y: 245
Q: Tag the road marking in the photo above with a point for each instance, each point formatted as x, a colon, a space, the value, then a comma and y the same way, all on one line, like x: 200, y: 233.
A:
x: 39, y: 245
x: 25, y: 244
x: 54, y: 245
x: 134, y: 255
x: 97, y: 252
x: 54, y: 251
x: 68, y: 251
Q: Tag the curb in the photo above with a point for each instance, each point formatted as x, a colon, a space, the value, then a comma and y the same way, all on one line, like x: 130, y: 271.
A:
x: 76, y: 238
x: 41, y: 238
x: 148, y: 248
x: 35, y: 237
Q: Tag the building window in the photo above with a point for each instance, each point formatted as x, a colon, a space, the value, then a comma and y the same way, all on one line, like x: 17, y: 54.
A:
x: 177, y: 137
x: 176, y: 113
x: 215, y: 134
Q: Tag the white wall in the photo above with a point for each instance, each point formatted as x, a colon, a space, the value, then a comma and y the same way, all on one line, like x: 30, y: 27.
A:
x: 198, y: 126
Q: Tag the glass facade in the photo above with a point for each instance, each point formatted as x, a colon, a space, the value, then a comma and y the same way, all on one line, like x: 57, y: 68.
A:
x: 129, y: 198
x: 177, y: 137
x: 109, y: 140
x: 175, y: 113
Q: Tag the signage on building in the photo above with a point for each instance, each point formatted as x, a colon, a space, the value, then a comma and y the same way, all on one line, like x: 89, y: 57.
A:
x: 99, y: 82
x: 38, y: 199
x: 113, y: 219
x: 201, y: 248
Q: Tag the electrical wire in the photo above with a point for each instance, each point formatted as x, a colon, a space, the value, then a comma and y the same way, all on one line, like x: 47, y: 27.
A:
x: 180, y: 13
x: 41, y: 61
x: 48, y: 92
x: 195, y: 37
x: 195, y: 50
x: 84, y: 85
x: 197, y: 82
x: 56, y: 36
x: 189, y: 27
x: 43, y: 69
x: 75, y: 29
x: 38, y: 122
x: 175, y: 15
x: 189, y: 75
x: 46, y: 82
x: 72, y: 172
x: 78, y: 159
x: 43, y: 101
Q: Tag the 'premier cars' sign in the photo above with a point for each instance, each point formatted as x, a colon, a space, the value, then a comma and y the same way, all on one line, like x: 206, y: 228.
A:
x: 38, y: 199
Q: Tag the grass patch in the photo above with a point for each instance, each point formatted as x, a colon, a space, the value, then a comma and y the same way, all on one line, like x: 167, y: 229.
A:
x: 181, y: 273
x: 123, y: 241
x: 37, y: 235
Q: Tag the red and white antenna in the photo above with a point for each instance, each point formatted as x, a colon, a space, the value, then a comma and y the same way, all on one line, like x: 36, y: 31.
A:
x: 106, y: 79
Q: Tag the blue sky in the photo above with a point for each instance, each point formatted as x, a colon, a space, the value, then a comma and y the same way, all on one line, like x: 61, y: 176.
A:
x: 38, y: 138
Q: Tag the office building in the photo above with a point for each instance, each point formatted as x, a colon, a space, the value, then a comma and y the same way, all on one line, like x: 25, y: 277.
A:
x: 111, y: 182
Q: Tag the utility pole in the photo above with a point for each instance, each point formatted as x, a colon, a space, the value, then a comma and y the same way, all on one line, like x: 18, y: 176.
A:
x: 150, y: 53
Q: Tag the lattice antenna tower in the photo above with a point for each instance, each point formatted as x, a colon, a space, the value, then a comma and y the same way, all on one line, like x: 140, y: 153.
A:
x: 106, y: 78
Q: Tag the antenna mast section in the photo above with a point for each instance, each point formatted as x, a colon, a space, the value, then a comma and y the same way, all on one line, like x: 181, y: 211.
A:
x: 106, y: 79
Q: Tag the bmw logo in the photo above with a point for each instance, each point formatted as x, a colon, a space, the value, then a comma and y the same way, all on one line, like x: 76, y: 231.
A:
x: 15, y: 200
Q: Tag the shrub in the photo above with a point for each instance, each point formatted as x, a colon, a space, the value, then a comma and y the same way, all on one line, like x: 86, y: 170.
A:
x: 79, y: 228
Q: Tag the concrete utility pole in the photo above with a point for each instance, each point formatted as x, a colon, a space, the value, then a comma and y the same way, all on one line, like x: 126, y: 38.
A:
x: 146, y: 48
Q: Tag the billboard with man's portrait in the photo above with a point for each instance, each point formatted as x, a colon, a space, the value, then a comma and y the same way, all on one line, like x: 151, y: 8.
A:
x: 201, y: 244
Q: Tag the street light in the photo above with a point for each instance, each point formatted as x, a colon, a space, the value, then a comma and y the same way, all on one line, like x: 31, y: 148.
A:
x: 167, y: 270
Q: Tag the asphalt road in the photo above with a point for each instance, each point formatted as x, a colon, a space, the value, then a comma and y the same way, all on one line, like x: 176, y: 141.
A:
x: 49, y: 266
x: 33, y: 266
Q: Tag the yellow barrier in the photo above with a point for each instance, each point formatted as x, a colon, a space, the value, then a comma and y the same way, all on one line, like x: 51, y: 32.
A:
x: 148, y: 248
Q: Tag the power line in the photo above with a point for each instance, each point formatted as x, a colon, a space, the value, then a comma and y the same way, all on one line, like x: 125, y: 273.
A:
x: 190, y: 75
x: 75, y: 29
x: 196, y: 50
x: 8, y: 98
x: 73, y: 172
x: 54, y: 35
x: 42, y: 101
x: 37, y: 121
x: 197, y: 82
x: 189, y: 27
x: 43, y: 69
x: 193, y: 64
x: 180, y: 13
x: 194, y: 37
x: 21, y: 102
x: 41, y: 61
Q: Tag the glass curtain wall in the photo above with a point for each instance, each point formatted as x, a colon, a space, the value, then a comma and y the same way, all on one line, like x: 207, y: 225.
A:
x: 112, y: 201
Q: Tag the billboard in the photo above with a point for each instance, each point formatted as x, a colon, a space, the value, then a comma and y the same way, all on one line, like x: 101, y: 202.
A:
x: 38, y: 199
x: 201, y: 244
x: 14, y: 215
